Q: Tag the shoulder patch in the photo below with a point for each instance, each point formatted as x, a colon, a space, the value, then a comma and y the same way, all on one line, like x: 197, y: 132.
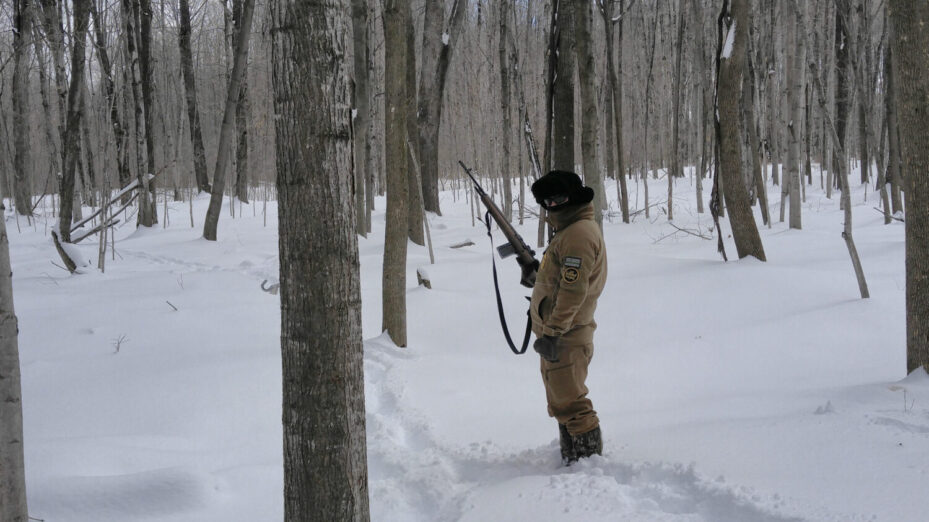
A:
x: 569, y: 275
x: 572, y: 262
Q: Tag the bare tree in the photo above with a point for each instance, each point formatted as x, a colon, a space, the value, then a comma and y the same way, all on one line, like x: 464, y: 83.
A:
x: 22, y: 190
x: 227, y: 131
x: 13, y: 507
x: 563, y: 94
x: 616, y: 95
x: 72, y: 134
x: 436, y: 56
x: 590, y: 124
x: 361, y: 94
x: 796, y: 57
x: 395, y: 242
x: 731, y: 65
x: 190, y: 92
x: 325, y: 467
x: 910, y: 43
x: 241, y: 116
x: 676, y: 167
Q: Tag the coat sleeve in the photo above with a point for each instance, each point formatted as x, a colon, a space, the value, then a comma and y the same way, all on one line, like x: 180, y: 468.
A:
x: 576, y: 261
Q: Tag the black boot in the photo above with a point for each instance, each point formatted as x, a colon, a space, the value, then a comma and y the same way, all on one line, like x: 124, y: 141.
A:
x: 587, y: 444
x: 568, y: 455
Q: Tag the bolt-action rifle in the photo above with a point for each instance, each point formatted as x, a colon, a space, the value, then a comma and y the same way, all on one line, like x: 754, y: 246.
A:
x: 525, y: 256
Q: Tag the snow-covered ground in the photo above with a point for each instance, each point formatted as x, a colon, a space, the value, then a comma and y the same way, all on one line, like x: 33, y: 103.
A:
x: 736, y: 391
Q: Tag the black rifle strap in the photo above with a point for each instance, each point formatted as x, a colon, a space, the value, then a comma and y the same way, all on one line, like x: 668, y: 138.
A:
x: 506, y: 331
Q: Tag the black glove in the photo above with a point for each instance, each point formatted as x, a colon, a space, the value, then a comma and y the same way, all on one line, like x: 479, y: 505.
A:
x: 548, y: 346
x: 529, y: 270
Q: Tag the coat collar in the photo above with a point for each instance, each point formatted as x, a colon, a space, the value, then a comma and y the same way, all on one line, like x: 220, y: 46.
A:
x: 563, y: 218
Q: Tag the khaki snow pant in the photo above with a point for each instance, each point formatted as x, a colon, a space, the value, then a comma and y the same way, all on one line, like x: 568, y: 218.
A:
x: 565, y: 389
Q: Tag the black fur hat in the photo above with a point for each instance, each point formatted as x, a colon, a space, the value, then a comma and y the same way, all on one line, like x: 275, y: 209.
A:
x: 559, y: 182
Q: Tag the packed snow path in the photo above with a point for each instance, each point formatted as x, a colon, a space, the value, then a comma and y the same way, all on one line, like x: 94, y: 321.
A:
x: 735, y: 391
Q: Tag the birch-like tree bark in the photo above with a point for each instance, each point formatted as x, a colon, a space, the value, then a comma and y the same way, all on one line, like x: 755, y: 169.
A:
x: 910, y: 43
x: 325, y: 466
x: 227, y: 131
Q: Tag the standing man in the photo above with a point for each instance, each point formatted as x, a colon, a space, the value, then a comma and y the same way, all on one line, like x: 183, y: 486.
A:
x: 569, y: 282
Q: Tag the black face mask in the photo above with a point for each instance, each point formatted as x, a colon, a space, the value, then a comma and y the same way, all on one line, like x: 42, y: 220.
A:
x: 556, y: 202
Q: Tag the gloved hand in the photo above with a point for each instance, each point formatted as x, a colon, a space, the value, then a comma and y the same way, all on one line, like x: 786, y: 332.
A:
x: 529, y: 270
x: 548, y: 346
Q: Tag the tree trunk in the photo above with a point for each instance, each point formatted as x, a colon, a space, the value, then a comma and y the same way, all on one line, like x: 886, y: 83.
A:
x: 396, y: 12
x: 796, y: 57
x: 590, y: 124
x: 190, y: 93
x: 676, y: 168
x: 362, y: 107
x: 842, y: 87
x: 145, y: 219
x: 227, y: 131
x: 241, y: 117
x: 731, y: 59
x: 144, y: 9
x: 436, y: 56
x: 22, y: 189
x: 910, y: 44
x: 748, y: 93
x: 563, y: 95
x: 894, y: 168
x: 616, y: 98
x: 325, y: 466
x: 109, y: 91
x: 72, y: 134
x: 505, y: 98
x: 706, y: 96
x: 13, y: 506
x: 414, y: 193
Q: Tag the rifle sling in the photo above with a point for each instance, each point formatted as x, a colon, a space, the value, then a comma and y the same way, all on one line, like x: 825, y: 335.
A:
x: 506, y: 331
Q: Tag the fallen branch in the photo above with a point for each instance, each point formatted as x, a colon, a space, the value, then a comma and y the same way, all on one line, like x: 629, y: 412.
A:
x: 466, y: 242
x: 96, y: 229
x: 900, y: 219
x: 691, y: 232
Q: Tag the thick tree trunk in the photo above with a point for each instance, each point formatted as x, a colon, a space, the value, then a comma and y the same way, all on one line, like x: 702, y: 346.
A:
x: 796, y: 57
x: 325, y: 467
x: 894, y: 168
x: 706, y: 95
x: 146, y: 217
x: 72, y: 134
x: 676, y: 162
x: 395, y: 242
x: 563, y: 94
x: 13, y: 506
x: 590, y: 124
x: 505, y: 105
x: 227, y: 131
x: 190, y: 93
x: 731, y: 67
x: 144, y: 9
x: 362, y: 107
x: 22, y: 189
x: 415, y: 224
x: 910, y: 43
x: 241, y: 118
x: 436, y: 56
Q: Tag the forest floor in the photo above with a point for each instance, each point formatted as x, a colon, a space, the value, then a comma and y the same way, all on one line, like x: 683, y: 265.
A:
x: 739, y: 391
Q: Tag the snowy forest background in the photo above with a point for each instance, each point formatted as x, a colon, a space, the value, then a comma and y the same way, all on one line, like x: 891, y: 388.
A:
x: 165, y: 161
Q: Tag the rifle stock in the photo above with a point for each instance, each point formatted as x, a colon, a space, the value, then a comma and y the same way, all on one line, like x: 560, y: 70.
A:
x: 525, y: 256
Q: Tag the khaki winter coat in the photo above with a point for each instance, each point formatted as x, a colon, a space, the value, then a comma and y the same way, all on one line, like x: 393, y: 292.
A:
x: 571, y: 277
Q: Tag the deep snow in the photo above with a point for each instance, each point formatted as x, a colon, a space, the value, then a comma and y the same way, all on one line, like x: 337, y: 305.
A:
x: 734, y: 391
